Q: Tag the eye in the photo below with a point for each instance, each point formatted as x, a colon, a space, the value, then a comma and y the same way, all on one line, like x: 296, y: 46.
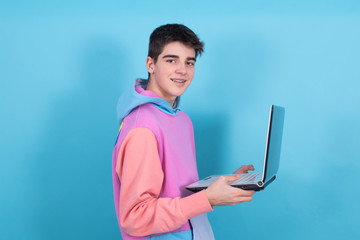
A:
x: 191, y: 63
x: 170, y: 60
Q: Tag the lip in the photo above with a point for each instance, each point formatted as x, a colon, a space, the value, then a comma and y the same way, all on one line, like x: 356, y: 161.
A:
x: 179, y: 84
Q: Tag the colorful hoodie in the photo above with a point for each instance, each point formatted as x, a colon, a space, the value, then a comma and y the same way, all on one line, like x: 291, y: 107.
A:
x: 153, y: 161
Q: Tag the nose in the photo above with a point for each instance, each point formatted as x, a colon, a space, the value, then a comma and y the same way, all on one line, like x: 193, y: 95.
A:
x: 181, y: 69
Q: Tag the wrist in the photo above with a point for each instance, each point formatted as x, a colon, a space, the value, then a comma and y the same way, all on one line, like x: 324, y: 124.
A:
x: 208, y: 195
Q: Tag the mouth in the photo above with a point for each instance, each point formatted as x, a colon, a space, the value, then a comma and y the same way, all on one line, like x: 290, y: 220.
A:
x: 178, y: 80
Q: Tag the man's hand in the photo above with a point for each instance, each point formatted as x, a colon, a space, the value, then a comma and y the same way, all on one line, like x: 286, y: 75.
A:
x: 220, y: 193
x: 244, y: 169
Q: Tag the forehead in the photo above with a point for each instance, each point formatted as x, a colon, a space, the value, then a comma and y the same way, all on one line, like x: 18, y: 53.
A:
x: 179, y: 49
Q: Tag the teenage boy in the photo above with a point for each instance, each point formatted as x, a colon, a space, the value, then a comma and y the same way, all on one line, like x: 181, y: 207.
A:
x: 154, y: 156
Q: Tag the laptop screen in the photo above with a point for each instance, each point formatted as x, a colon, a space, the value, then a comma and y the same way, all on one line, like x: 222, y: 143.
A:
x: 273, y: 145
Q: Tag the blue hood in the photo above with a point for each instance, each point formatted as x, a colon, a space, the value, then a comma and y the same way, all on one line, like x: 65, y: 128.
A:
x: 132, y: 99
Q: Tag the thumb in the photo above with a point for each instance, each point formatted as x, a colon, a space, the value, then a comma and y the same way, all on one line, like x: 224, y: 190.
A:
x: 231, y: 178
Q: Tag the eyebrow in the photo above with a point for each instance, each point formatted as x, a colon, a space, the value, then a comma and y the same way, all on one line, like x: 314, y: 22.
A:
x: 176, y: 56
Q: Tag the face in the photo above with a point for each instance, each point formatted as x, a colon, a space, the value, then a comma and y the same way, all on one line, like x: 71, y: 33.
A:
x: 173, y: 72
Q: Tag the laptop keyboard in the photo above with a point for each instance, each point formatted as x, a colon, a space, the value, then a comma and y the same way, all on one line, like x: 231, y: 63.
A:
x: 249, y: 177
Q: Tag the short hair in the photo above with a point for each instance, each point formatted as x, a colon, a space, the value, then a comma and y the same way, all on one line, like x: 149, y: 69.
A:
x: 173, y: 33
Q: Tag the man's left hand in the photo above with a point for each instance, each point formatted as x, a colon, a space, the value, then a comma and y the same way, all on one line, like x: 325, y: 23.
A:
x: 244, y: 169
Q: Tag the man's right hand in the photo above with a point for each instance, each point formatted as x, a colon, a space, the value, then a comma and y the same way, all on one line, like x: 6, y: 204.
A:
x: 220, y: 193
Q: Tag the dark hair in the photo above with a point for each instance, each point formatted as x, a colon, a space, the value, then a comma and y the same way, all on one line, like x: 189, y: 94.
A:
x: 173, y: 33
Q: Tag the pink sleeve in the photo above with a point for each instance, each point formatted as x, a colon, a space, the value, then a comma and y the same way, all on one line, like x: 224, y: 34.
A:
x: 142, y: 212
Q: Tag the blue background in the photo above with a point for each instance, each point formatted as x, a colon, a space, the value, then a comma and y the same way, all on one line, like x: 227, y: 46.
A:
x: 63, y: 65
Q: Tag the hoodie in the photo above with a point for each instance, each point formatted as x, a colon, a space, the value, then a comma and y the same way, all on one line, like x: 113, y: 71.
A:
x: 153, y: 161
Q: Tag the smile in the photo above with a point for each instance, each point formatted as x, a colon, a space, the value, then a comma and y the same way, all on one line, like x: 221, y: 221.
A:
x: 178, y: 80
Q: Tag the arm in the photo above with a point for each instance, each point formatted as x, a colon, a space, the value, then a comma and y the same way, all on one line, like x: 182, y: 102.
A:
x: 142, y: 212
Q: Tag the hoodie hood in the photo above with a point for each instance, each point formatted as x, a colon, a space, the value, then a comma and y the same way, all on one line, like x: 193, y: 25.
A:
x: 138, y: 96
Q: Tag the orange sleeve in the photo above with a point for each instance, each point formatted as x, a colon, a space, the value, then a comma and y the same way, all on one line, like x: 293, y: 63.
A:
x: 142, y: 212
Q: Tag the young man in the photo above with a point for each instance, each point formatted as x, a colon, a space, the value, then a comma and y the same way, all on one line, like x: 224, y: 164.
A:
x: 154, y: 156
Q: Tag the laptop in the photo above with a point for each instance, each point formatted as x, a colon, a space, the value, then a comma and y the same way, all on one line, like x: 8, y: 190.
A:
x: 257, y: 181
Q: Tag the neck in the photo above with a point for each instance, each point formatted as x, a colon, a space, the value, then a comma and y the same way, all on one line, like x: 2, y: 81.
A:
x: 150, y: 87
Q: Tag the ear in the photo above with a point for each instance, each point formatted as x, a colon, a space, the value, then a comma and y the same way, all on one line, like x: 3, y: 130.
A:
x: 150, y: 65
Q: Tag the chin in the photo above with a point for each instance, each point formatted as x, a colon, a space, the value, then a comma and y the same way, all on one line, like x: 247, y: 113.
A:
x: 178, y: 94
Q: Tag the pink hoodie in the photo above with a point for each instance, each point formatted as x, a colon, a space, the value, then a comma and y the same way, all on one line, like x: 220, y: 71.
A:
x: 153, y: 160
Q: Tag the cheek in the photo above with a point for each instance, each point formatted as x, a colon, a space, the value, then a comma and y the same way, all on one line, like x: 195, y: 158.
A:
x: 190, y: 79
x: 191, y: 73
x: 164, y: 71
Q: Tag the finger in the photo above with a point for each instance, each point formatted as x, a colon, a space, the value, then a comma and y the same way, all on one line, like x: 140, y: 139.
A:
x: 250, y: 192
x: 251, y: 167
x: 242, y: 169
x: 237, y: 171
x: 244, y: 193
x: 244, y: 199
x: 245, y: 169
x: 231, y: 178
